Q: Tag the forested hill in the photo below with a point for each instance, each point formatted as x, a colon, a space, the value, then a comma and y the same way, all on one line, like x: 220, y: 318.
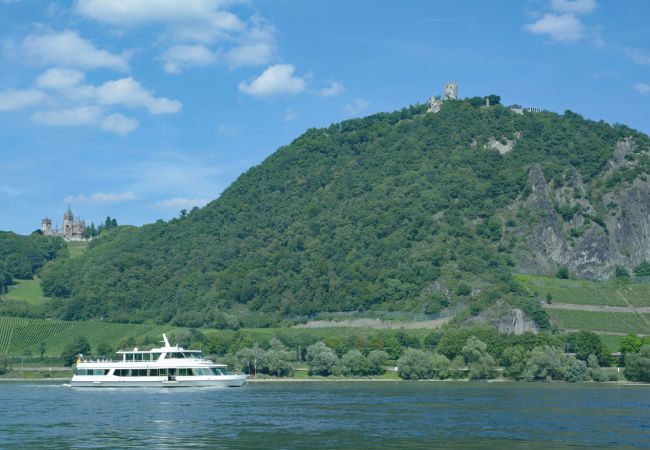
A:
x: 407, y: 211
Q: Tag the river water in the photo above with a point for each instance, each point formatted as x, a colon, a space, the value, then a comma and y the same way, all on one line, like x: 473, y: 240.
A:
x: 317, y: 415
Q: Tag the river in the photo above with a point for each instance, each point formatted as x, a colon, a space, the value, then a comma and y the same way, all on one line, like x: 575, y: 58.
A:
x: 327, y: 415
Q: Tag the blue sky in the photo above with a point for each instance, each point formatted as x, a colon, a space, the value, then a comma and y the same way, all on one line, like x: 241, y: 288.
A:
x: 139, y: 108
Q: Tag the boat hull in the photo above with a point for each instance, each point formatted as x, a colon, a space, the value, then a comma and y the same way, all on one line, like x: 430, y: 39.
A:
x: 158, y: 382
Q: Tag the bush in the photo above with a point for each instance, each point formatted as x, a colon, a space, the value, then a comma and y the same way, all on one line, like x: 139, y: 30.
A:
x: 354, y: 363
x: 415, y: 365
x: 79, y: 345
x: 562, y: 273
x: 322, y: 359
x: 481, y: 364
x: 376, y: 361
x: 637, y: 365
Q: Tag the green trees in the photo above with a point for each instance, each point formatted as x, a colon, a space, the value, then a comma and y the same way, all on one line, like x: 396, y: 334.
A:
x: 480, y: 363
x: 415, y: 365
x: 587, y: 343
x: 562, y: 273
x: 79, y: 345
x: 22, y: 256
x: 367, y: 214
x: 321, y: 359
x: 630, y: 344
x: 637, y: 365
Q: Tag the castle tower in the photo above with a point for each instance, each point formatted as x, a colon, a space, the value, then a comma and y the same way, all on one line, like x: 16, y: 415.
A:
x: 451, y: 91
x: 68, y: 219
x: 46, y: 226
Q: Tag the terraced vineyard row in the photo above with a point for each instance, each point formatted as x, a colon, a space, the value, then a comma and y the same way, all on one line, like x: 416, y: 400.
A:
x: 21, y: 333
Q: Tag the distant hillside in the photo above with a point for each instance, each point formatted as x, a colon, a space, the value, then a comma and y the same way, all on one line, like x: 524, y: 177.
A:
x: 402, y: 211
x: 22, y: 256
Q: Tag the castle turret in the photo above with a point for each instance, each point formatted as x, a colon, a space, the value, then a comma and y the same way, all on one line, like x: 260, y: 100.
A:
x: 451, y: 91
x: 68, y: 219
x: 46, y: 226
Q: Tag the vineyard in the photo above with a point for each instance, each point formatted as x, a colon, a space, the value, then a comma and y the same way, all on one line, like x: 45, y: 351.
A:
x: 20, y: 336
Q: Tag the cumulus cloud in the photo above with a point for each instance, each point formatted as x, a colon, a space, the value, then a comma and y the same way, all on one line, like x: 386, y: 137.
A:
x: 12, y: 99
x: 275, y: 80
x: 178, y: 57
x: 57, y: 78
x: 82, y: 115
x: 67, y: 48
x: 290, y: 115
x: 128, y: 92
x: 356, y: 107
x: 335, y: 88
x: 200, y: 20
x: 119, y: 124
x: 255, y: 47
x: 181, y: 202
x: 642, y: 88
x: 574, y: 6
x: 559, y: 27
x: 101, y: 197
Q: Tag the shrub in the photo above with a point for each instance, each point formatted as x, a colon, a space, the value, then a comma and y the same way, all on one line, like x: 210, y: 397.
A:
x: 637, y: 365
x: 562, y: 273
x: 322, y: 359
x: 376, y: 361
x: 415, y: 365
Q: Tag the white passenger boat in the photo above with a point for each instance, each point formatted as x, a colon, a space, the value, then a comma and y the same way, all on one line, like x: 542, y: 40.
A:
x: 159, y: 367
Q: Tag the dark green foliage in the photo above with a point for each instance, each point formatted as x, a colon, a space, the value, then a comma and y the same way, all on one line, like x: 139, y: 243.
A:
x: 415, y: 365
x: 643, y: 269
x: 585, y: 343
x: 322, y: 359
x: 533, y: 309
x: 621, y: 273
x: 637, y: 365
x: 22, y: 256
x: 79, y: 346
x: 367, y: 214
x: 562, y: 273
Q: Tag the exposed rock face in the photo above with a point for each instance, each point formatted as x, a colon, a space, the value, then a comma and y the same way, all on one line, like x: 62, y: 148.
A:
x: 566, y: 229
x: 506, y: 320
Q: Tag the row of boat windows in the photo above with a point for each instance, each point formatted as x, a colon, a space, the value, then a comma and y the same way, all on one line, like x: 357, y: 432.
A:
x: 197, y: 371
x: 154, y: 356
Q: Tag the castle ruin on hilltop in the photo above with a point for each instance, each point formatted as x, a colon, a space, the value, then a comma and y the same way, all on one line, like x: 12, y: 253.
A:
x: 73, y: 229
x: 450, y: 93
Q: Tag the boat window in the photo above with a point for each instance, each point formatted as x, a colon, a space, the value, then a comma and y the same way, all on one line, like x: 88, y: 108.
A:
x: 100, y: 372
x: 216, y: 371
x: 153, y: 372
x: 129, y: 356
x: 137, y: 357
x: 163, y: 372
x: 182, y: 372
x: 139, y: 372
x: 121, y: 372
x: 155, y: 356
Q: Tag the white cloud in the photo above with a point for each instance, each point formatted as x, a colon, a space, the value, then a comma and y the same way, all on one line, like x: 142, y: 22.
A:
x: 82, y: 115
x: 560, y: 27
x: 256, y: 46
x: 128, y: 92
x: 275, y: 80
x: 101, y: 197
x: 638, y: 55
x: 356, y: 107
x: 57, y: 78
x: 290, y: 115
x: 255, y: 54
x: 12, y: 99
x: 119, y: 124
x: 199, y: 20
x: 181, y: 202
x: 227, y: 130
x: 335, y: 88
x: 642, y: 88
x: 574, y: 6
x: 69, y: 49
x: 182, y: 56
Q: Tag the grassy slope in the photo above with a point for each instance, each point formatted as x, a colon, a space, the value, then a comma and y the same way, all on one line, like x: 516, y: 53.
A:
x: 28, y: 291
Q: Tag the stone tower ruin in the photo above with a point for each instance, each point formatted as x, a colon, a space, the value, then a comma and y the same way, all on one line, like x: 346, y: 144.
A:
x: 451, y: 91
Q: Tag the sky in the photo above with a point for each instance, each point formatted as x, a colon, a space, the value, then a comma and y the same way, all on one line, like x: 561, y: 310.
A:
x: 136, y: 109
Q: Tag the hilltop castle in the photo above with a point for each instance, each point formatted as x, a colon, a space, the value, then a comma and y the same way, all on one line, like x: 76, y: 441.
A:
x: 73, y: 230
x: 450, y: 93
